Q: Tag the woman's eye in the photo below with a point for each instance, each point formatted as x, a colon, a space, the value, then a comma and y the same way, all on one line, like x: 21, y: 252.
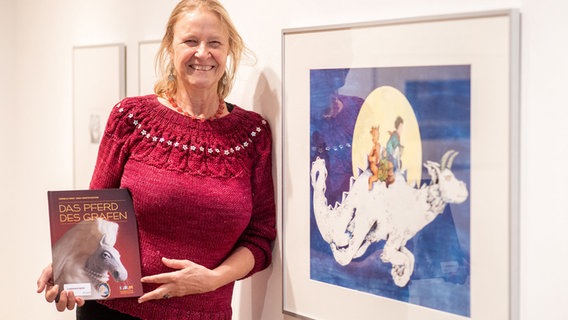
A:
x: 191, y: 42
x: 215, y: 44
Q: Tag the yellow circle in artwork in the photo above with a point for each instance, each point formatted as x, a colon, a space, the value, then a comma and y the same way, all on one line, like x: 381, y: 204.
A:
x: 381, y: 108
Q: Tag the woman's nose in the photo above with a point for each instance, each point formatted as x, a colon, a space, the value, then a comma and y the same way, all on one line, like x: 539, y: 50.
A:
x: 202, y: 49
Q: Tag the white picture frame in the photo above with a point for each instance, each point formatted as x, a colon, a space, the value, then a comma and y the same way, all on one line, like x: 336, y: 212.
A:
x: 99, y: 82
x: 488, y: 42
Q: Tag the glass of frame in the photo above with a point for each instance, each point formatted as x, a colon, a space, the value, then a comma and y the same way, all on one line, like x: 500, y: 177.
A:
x: 400, y: 168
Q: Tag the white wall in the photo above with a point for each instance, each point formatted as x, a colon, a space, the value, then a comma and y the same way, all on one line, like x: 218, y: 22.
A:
x: 544, y: 188
x: 35, y: 121
x: 7, y: 83
x: 7, y: 88
x: 9, y: 132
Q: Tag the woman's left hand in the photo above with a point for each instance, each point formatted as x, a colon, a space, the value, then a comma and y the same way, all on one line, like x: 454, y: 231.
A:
x: 188, y: 278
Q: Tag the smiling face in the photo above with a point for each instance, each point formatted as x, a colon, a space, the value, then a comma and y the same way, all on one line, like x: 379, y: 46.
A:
x: 199, y: 50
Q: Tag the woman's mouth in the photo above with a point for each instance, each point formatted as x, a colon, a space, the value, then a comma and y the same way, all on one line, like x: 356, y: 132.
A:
x: 201, y: 67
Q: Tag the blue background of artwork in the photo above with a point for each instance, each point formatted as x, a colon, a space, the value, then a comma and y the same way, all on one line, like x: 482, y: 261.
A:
x: 441, y: 99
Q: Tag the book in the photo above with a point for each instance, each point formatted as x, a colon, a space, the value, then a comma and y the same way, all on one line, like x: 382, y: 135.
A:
x: 94, y: 242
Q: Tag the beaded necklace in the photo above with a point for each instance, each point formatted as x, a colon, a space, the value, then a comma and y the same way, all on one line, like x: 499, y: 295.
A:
x: 217, y: 114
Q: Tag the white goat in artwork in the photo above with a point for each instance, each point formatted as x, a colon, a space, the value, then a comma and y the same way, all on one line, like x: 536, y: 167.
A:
x: 394, y: 214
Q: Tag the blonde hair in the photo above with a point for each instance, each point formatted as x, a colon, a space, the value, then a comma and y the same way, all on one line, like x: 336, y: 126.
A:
x: 164, y: 65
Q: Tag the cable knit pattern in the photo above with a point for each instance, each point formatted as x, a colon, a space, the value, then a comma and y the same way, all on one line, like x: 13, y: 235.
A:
x: 200, y: 190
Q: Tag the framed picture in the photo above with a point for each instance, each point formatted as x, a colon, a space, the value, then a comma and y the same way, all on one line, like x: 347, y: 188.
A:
x: 99, y: 82
x: 400, y: 169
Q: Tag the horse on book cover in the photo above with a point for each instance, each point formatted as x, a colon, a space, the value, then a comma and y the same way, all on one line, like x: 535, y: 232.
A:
x: 86, y: 254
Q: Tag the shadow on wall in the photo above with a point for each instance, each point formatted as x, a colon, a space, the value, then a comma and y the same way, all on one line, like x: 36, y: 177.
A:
x: 266, y: 101
x: 263, y: 291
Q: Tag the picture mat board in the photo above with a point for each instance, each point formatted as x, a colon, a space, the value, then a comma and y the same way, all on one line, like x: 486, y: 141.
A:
x: 486, y: 42
x: 99, y: 83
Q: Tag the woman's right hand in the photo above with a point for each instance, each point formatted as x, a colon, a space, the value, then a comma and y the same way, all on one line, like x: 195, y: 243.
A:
x: 65, y: 300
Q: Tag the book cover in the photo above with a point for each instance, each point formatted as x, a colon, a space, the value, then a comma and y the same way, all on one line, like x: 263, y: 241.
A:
x: 94, y: 242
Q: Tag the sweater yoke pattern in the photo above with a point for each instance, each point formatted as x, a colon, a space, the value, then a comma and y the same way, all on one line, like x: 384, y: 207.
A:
x: 163, y: 138
x: 193, y: 148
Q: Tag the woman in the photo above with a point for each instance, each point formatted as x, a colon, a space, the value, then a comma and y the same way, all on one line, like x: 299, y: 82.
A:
x: 200, y: 174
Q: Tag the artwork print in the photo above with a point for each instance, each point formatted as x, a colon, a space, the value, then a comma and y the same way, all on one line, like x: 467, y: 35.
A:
x: 390, y: 183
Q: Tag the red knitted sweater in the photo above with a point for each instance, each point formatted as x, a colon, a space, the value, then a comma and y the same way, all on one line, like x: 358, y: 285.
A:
x: 200, y: 190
